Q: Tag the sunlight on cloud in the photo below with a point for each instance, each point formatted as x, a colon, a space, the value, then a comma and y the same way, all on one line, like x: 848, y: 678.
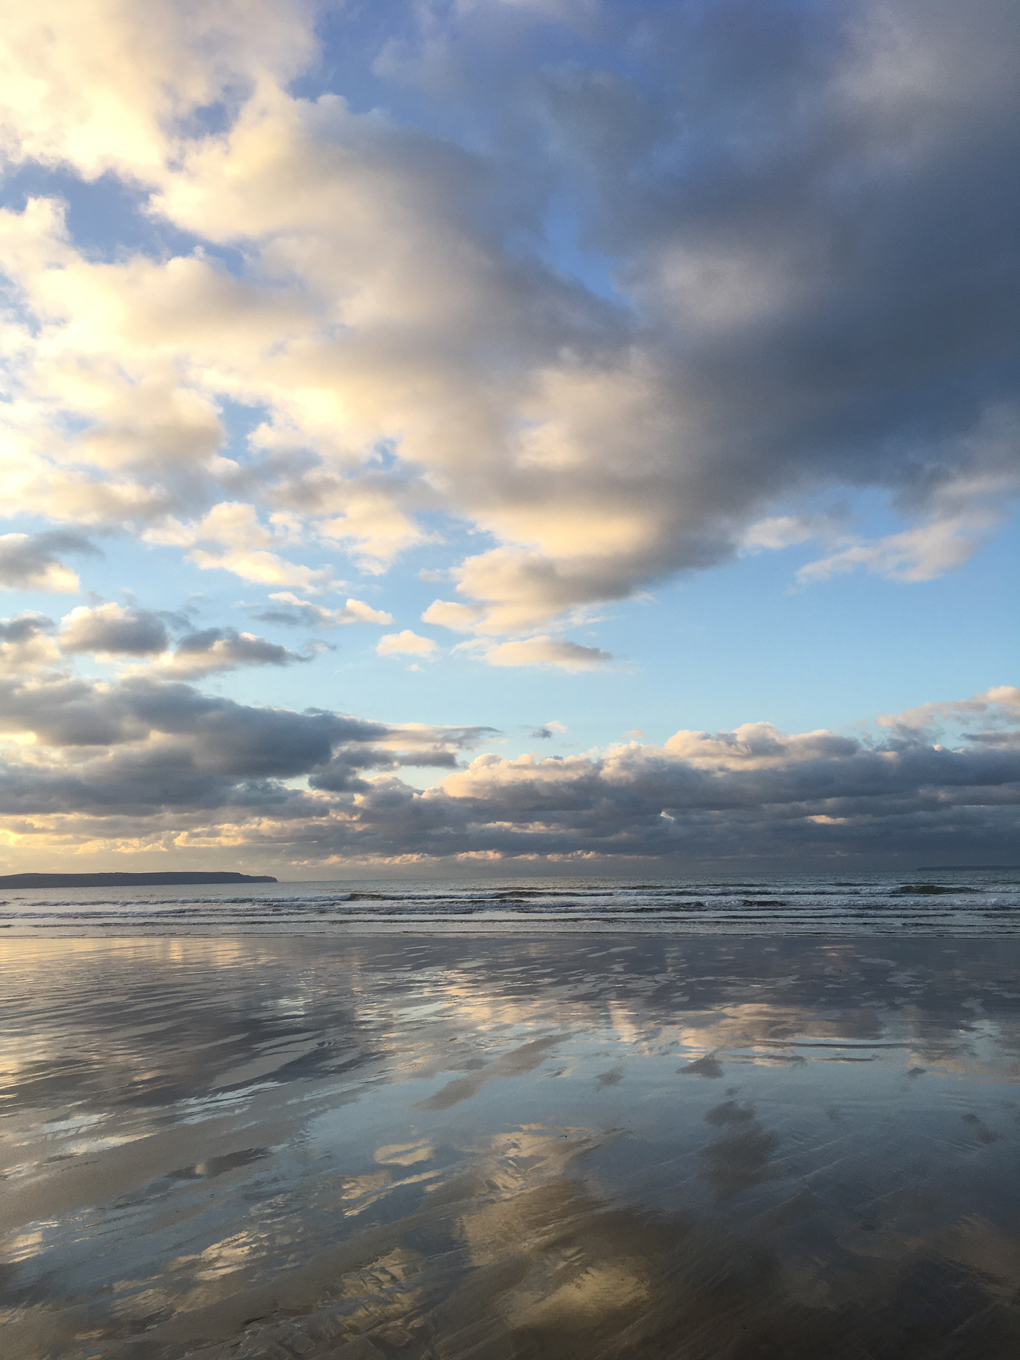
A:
x: 547, y: 651
x: 998, y: 707
x: 30, y: 562
x: 782, y: 531
x: 603, y: 445
x: 405, y: 643
x: 101, y: 85
x: 113, y: 630
x: 918, y: 554
x: 755, y: 746
x: 25, y: 647
x: 305, y: 611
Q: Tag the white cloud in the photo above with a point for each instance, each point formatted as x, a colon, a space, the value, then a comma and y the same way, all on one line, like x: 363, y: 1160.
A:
x: 998, y: 706
x: 232, y: 538
x: 755, y: 746
x: 547, y: 651
x: 305, y: 611
x: 782, y: 531
x: 101, y: 84
x: 405, y: 643
x: 919, y: 554
x: 267, y: 568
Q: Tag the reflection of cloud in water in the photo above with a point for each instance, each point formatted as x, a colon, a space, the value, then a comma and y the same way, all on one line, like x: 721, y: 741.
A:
x: 740, y: 1157
x: 404, y: 1154
x: 551, y: 1269
x: 516, y: 1063
x: 708, y: 1066
x: 254, y: 1149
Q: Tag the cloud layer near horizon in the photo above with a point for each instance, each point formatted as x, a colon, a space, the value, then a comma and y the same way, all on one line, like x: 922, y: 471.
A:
x: 814, y: 288
x: 146, y: 763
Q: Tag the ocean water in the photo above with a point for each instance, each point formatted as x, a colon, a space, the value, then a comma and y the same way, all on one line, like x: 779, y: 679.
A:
x: 926, y: 902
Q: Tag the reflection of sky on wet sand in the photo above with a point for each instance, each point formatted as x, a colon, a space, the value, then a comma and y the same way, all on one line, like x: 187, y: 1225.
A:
x: 498, y: 1148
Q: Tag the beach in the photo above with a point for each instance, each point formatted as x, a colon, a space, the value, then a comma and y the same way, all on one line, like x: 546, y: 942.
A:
x: 510, y: 1145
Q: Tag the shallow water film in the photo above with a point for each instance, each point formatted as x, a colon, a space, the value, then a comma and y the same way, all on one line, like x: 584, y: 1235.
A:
x: 510, y: 1148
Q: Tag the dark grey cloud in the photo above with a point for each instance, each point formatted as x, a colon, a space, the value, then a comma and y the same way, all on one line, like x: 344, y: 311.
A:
x: 31, y: 561
x: 26, y: 646
x: 24, y: 627
x: 224, y: 649
x: 67, y: 711
x: 830, y: 189
x: 290, y: 611
x: 431, y: 748
x: 911, y: 799
x: 288, y: 618
x: 112, y: 629
x: 147, y: 749
x: 812, y: 213
x: 146, y: 745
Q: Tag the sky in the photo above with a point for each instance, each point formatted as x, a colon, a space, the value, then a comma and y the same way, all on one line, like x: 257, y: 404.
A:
x: 509, y: 436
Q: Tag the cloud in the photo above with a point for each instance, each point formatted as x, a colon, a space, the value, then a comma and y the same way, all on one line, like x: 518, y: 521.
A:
x: 224, y: 649
x: 148, y: 747
x: 113, y: 630
x: 405, y: 643
x: 231, y: 537
x: 29, y: 562
x: 149, y: 758
x: 810, y: 286
x: 23, y: 628
x: 996, y: 708
x: 68, y: 712
x: 318, y: 616
x: 25, y: 644
x: 547, y: 651
x: 104, y: 90
x: 782, y: 531
x: 756, y: 746
x: 919, y: 554
x: 548, y: 729
x: 461, y: 618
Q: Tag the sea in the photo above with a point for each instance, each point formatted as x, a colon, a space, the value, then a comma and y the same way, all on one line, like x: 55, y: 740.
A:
x: 955, y: 902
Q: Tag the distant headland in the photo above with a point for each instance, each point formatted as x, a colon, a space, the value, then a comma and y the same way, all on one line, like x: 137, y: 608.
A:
x: 166, y: 880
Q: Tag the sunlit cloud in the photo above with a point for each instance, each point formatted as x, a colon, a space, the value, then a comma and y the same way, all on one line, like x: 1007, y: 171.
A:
x: 112, y: 630
x: 373, y: 303
x: 297, y: 611
x: 547, y: 651
x: 30, y: 562
x: 405, y: 643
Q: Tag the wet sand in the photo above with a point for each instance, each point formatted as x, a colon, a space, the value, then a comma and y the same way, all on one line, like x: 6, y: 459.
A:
x: 444, y: 1147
